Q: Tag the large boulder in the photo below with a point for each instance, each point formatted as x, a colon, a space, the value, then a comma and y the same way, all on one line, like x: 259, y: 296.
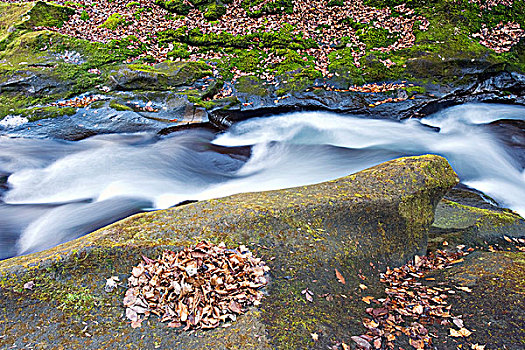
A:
x: 356, y: 225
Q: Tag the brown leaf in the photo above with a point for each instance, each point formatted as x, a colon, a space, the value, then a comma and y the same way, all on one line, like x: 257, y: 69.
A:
x: 314, y: 336
x: 339, y: 277
x: 137, y: 271
x: 309, y: 297
x: 418, y: 309
x: 345, y: 347
x: 463, y: 332
x: 458, y: 322
x: 235, y: 307
x: 418, y: 344
x: 136, y: 324
x: 367, y: 299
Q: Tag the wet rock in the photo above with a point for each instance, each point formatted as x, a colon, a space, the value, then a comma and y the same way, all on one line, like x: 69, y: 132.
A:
x: 163, y: 76
x: 356, y: 225
x: 467, y: 225
x: 493, y: 310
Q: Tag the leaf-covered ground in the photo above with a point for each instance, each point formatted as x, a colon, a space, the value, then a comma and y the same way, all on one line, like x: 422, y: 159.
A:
x: 363, y: 40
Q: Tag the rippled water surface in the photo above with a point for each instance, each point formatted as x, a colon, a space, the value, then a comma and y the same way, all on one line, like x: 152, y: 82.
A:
x: 53, y: 191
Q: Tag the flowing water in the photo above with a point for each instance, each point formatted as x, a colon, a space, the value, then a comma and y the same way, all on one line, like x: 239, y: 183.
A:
x: 53, y: 191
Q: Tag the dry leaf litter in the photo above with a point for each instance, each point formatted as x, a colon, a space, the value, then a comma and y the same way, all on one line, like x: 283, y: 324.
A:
x: 410, y: 307
x: 196, y: 288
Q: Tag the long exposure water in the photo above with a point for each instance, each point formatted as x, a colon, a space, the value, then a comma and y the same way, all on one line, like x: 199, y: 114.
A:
x: 54, y: 191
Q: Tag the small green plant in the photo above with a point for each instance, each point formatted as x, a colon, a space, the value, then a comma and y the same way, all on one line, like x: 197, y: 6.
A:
x: 73, y: 4
x: 214, y: 12
x: 179, y: 51
x: 84, y: 16
x: 114, y: 21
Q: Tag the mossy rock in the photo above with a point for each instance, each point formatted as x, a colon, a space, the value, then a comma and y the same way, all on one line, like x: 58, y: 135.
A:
x: 493, y: 309
x: 163, y: 76
x: 251, y: 85
x: 380, y: 215
x: 462, y: 224
x: 44, y: 14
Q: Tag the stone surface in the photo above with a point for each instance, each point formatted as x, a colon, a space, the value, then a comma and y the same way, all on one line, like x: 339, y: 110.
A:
x: 354, y: 224
x: 462, y: 224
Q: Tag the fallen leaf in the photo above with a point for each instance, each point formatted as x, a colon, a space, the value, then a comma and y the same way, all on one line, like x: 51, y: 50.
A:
x: 477, y: 347
x: 463, y: 332
x: 418, y: 309
x: 131, y: 314
x: 111, y: 284
x: 339, y: 277
x: 361, y: 342
x: 465, y: 289
x: 345, y: 347
x: 362, y: 286
x: 458, y: 322
x: 136, y: 324
x: 367, y: 299
x: 309, y: 297
x: 137, y: 271
x: 315, y: 336
x: 29, y: 285
x: 418, y: 344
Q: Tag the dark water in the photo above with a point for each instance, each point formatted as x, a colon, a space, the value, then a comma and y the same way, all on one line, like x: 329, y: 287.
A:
x: 54, y: 191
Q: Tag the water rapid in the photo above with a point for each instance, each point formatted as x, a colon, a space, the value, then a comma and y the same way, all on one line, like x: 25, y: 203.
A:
x: 54, y: 191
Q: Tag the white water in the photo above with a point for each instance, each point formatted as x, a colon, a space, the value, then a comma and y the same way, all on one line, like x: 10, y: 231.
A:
x: 60, y: 190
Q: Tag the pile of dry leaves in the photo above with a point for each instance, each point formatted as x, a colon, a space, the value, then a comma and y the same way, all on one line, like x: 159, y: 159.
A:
x: 197, y: 287
x: 411, y: 306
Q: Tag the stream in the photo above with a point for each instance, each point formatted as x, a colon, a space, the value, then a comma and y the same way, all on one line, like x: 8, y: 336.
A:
x: 52, y: 191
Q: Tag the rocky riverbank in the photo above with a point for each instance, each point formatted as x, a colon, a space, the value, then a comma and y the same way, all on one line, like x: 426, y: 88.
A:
x: 112, y: 85
x: 70, y: 70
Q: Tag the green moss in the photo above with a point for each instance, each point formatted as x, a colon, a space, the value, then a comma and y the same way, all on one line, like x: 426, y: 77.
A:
x: 253, y: 8
x: 10, y: 15
x: 119, y: 107
x: 376, y: 37
x: 251, y: 85
x: 182, y: 7
x: 214, y: 11
x: 179, y: 50
x: 49, y: 112
x: 44, y: 14
x: 342, y: 64
x: 297, y: 80
x: 273, y: 39
x: 114, y: 21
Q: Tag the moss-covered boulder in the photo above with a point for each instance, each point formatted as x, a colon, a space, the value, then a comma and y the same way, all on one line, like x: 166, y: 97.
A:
x: 354, y: 224
x: 462, y: 224
x: 163, y: 76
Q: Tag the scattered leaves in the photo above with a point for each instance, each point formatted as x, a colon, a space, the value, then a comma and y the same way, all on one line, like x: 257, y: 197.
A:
x: 339, y: 277
x: 410, y: 305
